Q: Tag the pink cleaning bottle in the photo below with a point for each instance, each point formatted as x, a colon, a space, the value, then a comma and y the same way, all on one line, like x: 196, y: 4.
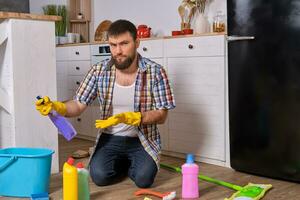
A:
x: 190, y: 171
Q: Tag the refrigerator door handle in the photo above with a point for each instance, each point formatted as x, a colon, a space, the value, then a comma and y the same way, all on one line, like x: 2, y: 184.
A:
x: 237, y: 38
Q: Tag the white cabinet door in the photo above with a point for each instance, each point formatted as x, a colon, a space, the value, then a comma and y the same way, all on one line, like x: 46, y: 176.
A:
x: 197, y: 124
x: 61, y: 79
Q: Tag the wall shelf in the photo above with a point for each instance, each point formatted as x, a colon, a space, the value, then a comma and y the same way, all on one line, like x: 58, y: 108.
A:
x: 80, y: 26
x: 79, y: 21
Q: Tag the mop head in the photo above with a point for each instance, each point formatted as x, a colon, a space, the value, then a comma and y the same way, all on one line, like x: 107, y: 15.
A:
x: 251, y: 192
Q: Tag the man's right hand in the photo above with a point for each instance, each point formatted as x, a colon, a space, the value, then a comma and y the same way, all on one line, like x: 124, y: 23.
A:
x: 45, y: 106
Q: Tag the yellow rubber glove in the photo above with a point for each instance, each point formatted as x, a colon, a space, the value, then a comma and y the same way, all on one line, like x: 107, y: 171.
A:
x: 130, y: 118
x: 45, y: 106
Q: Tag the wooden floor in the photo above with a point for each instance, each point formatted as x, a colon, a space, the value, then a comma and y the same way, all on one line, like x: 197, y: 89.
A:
x: 170, y: 181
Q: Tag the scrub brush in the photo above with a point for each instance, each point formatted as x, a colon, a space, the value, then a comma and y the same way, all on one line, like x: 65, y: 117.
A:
x: 164, y: 196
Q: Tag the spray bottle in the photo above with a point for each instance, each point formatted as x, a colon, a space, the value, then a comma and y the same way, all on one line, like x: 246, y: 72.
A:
x: 62, y: 124
x: 70, y: 181
x: 83, y: 182
x: 190, y: 171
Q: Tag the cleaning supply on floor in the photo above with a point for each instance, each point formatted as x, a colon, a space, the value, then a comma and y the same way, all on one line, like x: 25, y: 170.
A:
x: 24, y: 171
x: 80, y: 154
x: 164, y: 196
x: 83, y: 182
x: 64, y: 127
x: 41, y: 196
x: 70, y: 181
x: 190, y: 171
x: 249, y: 192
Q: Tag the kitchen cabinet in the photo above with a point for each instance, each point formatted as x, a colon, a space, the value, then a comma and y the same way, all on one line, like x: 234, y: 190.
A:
x: 196, y: 68
x: 27, y: 69
x: 73, y: 63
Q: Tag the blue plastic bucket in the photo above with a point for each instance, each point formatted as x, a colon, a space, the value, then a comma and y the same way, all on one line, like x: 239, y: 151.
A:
x: 24, y: 171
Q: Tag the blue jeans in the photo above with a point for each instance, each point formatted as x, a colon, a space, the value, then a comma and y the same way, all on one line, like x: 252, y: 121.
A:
x: 116, y: 157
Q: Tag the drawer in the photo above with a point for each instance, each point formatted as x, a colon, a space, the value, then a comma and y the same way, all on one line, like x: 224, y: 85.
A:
x: 83, y: 123
x: 151, y: 48
x: 62, y: 53
x: 61, y: 81
x: 62, y: 94
x: 79, y: 53
x: 79, y: 67
x: 195, y: 46
x: 74, y: 82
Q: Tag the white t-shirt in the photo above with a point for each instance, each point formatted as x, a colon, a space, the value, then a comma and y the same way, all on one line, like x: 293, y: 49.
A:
x: 123, y: 101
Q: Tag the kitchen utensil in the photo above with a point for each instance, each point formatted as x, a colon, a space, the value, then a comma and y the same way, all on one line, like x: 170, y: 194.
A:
x: 143, y: 31
x: 175, y: 33
x: 187, y: 31
x: 219, y: 22
x: 102, y: 27
x: 181, y: 10
x: 191, y: 14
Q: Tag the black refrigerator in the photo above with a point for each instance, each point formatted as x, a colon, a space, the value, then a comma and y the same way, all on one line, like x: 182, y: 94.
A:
x: 264, y: 87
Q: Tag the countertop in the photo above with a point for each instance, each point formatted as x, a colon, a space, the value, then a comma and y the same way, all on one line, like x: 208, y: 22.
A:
x: 151, y: 38
x: 14, y: 15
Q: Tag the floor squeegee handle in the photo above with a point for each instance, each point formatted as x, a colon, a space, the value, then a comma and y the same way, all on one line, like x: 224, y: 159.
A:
x: 205, y: 178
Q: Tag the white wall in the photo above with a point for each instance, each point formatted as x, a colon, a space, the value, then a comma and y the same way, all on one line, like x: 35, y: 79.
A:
x: 37, y: 5
x: 161, y: 15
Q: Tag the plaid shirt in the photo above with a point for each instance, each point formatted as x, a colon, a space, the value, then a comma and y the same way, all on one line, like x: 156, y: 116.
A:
x: 152, y: 92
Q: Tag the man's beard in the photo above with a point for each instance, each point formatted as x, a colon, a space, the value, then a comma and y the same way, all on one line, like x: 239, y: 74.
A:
x: 125, y: 64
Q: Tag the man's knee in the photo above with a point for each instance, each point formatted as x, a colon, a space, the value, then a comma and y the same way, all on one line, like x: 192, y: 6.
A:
x: 143, y: 180
x: 100, y: 177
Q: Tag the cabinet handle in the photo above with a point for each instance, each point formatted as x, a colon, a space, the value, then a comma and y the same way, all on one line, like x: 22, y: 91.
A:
x: 78, y: 119
x: 77, y: 52
x: 77, y: 82
x: 77, y: 68
x: 145, y: 49
x: 191, y: 46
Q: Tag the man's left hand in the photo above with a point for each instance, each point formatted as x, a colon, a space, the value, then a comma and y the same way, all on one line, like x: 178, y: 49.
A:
x: 130, y: 118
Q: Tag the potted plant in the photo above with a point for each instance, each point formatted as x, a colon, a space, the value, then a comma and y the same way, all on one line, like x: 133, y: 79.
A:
x: 60, y: 26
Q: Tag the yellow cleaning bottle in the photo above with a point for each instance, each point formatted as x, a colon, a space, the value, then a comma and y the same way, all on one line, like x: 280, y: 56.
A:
x: 70, y: 181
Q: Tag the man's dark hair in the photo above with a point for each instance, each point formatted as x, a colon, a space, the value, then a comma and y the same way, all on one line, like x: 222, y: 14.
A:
x: 122, y: 26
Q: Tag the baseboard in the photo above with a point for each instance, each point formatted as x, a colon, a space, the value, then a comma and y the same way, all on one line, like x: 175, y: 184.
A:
x: 197, y: 158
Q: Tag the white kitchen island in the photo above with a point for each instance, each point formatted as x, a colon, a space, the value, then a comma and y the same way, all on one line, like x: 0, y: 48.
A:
x: 27, y: 69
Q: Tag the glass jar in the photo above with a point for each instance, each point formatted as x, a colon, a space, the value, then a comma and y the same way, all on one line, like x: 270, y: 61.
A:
x: 219, y: 22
